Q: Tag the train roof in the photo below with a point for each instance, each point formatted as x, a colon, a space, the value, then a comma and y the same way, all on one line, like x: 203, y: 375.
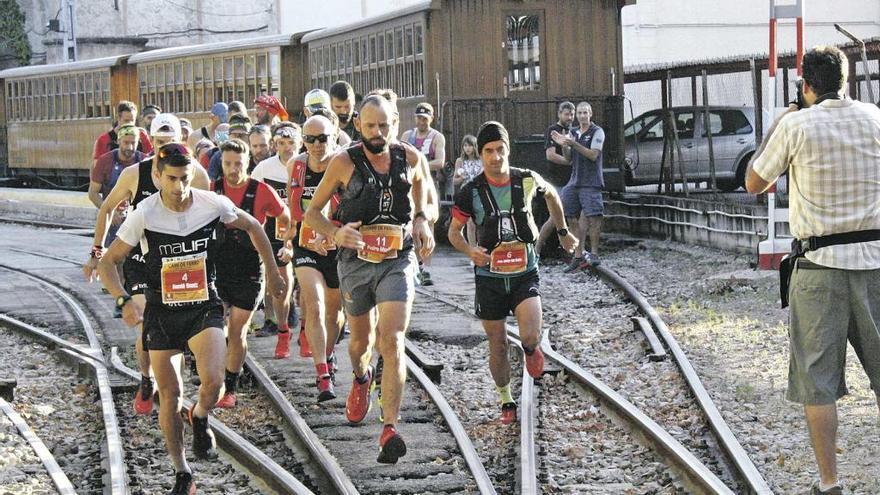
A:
x: 217, y: 47
x: 84, y: 65
x: 369, y: 21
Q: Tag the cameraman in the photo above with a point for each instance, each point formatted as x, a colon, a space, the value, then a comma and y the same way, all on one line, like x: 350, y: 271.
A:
x: 831, y: 150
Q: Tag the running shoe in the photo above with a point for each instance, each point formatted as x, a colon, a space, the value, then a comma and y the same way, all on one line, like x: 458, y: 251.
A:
x: 143, y: 398
x: 358, y: 404
x: 508, y: 413
x: 204, y: 443
x: 590, y: 260
x: 282, y: 347
x: 269, y: 329
x: 391, y: 446
x: 425, y: 278
x: 304, y: 349
x: 535, y: 363
x: 574, y: 265
x: 228, y: 401
x: 325, y: 388
x: 183, y: 484
x: 834, y: 490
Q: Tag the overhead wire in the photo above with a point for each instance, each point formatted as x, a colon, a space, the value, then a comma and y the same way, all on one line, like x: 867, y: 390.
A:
x: 191, y: 9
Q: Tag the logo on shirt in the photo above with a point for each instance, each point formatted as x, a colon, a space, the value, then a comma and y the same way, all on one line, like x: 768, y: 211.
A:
x: 175, y: 248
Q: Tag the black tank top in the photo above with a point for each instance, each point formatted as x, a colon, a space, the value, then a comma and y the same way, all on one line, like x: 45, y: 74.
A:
x: 311, y: 180
x: 145, y: 186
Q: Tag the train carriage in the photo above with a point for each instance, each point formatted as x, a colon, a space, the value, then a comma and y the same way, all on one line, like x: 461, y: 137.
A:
x: 474, y: 60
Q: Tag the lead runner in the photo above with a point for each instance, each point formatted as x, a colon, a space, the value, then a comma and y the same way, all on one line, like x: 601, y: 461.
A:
x: 177, y: 229
x: 382, y: 208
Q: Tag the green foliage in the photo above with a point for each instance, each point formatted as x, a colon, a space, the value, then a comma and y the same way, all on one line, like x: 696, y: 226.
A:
x: 13, y: 39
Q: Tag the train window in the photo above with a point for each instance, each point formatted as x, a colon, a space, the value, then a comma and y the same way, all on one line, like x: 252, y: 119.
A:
x: 208, y: 82
x: 398, y: 78
x: 381, y: 43
x: 408, y: 41
x: 420, y: 40
x: 373, y: 54
x: 218, y: 71
x: 523, y: 52
x: 178, y: 73
x: 59, y: 104
x: 89, y: 90
x: 227, y: 70
x: 106, y: 89
x: 420, y: 78
x: 389, y: 45
x: 333, y: 59
x: 81, y: 110
x: 275, y: 73
x: 365, y: 54
x: 189, y: 86
x: 169, y: 75
x: 398, y: 42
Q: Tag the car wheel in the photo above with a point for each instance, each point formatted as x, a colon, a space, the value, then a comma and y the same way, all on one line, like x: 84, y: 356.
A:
x: 741, y: 171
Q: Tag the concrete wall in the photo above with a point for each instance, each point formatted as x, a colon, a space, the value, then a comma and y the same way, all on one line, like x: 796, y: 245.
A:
x: 162, y: 22
x: 300, y: 15
x: 662, y: 31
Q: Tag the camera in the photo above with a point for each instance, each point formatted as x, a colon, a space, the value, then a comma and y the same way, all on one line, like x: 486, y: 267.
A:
x: 799, y: 99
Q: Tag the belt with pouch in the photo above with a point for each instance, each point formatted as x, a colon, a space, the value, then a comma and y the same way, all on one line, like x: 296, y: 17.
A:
x: 800, y: 247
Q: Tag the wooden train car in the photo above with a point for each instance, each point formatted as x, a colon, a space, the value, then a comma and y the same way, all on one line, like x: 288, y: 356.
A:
x: 474, y: 60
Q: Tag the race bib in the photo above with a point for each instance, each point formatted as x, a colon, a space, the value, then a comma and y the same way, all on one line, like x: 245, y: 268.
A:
x: 382, y: 242
x: 185, y: 279
x: 508, y: 258
x: 307, y: 237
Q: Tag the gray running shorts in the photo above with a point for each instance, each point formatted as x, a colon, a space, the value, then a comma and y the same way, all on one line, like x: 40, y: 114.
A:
x: 828, y: 308
x: 364, y: 284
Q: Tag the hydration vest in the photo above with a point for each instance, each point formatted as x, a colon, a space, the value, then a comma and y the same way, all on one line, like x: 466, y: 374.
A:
x: 145, y: 187
x: 247, y: 204
x: 522, y: 222
x: 372, y: 197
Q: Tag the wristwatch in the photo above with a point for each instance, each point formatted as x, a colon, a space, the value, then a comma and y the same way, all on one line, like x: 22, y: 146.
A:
x: 122, y: 300
x: 562, y: 232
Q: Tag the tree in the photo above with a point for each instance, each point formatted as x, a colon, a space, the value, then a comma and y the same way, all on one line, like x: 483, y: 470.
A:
x: 13, y: 39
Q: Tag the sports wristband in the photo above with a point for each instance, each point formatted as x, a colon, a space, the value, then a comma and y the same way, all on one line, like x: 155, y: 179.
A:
x: 419, y: 214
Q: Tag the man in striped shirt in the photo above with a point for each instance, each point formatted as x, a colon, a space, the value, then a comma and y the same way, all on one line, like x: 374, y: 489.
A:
x: 831, y: 150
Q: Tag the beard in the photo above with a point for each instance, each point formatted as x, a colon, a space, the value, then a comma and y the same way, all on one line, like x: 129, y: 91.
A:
x: 126, y: 155
x: 343, y: 118
x: 376, y: 146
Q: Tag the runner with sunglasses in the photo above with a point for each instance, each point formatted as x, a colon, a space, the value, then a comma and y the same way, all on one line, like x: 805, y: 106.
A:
x: 182, y: 306
x: 135, y: 184
x: 382, y: 210
x: 239, y: 271
x: 287, y: 139
x: 313, y: 255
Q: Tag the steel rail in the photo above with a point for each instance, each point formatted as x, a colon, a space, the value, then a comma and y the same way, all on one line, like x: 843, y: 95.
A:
x: 61, y: 481
x: 528, y: 459
x: 743, y: 463
x: 237, y: 447
x: 118, y: 479
x: 44, y: 255
x: 691, y: 470
x: 38, y: 223
x: 484, y: 482
x: 319, y: 453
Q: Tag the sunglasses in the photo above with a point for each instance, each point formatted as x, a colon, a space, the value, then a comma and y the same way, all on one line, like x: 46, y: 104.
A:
x: 321, y: 138
x: 172, y: 149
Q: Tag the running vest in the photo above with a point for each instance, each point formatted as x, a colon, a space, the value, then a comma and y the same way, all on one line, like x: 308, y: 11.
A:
x: 423, y: 144
x: 277, y: 181
x: 231, y: 234
x: 303, y: 184
x: 145, y: 186
x: 521, y: 221
x: 374, y: 198
x: 235, y: 251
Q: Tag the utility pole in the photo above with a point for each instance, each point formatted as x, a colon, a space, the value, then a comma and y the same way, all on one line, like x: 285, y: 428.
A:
x: 68, y: 13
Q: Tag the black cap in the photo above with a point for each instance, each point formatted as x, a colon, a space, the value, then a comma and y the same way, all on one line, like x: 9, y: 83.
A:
x: 491, y: 131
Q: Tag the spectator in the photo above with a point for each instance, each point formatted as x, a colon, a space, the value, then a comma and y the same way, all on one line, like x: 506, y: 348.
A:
x: 468, y: 166
x: 553, y: 153
x: 582, y: 196
x: 831, y: 149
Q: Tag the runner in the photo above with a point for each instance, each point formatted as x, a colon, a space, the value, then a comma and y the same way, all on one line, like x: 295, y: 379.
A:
x: 382, y: 209
x: 239, y: 271
x: 135, y: 184
x: 268, y: 110
x: 506, y: 267
x: 177, y: 226
x: 342, y: 102
x: 287, y: 138
x: 315, y: 259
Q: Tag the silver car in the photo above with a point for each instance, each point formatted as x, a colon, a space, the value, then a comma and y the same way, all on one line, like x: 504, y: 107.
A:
x: 733, y: 143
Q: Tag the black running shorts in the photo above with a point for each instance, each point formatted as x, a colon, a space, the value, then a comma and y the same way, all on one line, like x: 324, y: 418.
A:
x: 166, y: 329
x: 497, y: 297
x: 325, y: 264
x: 135, y: 273
x: 241, y: 291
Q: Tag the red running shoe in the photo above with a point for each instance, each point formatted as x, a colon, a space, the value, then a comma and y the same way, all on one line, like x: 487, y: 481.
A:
x: 183, y: 484
x: 143, y: 398
x: 391, y: 446
x: 304, y: 350
x: 325, y: 388
x: 228, y: 401
x: 535, y: 363
x: 508, y: 413
x: 358, y: 404
x: 282, y: 346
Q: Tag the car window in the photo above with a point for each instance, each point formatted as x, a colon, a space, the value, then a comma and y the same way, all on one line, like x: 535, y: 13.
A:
x: 654, y: 132
x: 684, y: 124
x: 635, y: 126
x: 728, y: 123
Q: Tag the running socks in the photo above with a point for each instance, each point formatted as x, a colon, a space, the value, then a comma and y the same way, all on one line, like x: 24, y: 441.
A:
x: 504, y: 394
x: 322, y: 369
x: 231, y: 381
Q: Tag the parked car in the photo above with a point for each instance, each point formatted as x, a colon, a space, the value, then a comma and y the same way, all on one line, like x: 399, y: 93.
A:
x: 733, y: 143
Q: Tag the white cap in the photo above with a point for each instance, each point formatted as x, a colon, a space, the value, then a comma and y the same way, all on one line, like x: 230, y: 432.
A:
x: 317, y: 98
x: 165, y: 120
